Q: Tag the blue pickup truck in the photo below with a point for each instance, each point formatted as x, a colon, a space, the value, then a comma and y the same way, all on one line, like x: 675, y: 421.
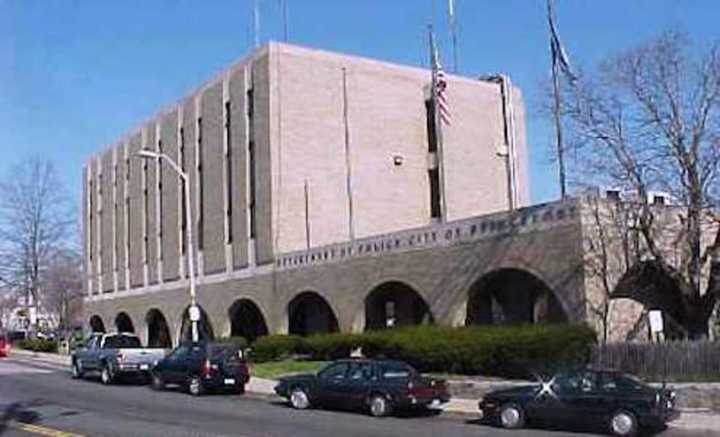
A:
x: 115, y: 356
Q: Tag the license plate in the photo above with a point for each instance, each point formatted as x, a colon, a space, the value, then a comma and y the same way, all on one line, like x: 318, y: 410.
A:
x: 435, y: 403
x: 229, y: 381
x: 144, y: 366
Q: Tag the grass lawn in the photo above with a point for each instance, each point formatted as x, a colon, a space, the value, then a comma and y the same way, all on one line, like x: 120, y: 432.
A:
x: 276, y: 369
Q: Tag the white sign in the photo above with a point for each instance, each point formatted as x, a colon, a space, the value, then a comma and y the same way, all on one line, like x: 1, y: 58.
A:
x: 194, y: 312
x: 656, y: 321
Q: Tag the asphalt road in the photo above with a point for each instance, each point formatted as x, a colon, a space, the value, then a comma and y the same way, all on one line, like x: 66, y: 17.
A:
x: 46, y: 401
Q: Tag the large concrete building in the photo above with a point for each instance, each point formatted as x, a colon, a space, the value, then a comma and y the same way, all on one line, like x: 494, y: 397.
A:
x: 322, y: 200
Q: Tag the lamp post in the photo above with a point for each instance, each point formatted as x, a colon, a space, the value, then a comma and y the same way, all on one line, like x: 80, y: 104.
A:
x: 193, y: 310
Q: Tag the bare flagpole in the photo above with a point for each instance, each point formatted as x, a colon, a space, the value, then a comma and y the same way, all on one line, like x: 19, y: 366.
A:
x: 256, y: 22
x: 453, y: 33
x: 286, y: 33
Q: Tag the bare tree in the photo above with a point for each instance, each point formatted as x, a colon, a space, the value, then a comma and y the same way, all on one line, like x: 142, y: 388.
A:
x: 649, y: 119
x: 62, y: 287
x: 35, y: 221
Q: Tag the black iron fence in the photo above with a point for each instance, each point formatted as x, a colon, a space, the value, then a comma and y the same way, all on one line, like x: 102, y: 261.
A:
x: 671, y: 361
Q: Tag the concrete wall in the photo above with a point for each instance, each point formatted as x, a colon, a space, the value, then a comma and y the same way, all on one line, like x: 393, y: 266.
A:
x: 441, y: 263
x: 385, y: 107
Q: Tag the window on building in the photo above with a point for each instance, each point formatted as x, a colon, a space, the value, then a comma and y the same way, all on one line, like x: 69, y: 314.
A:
x: 430, y: 121
x: 90, y: 217
x: 390, y: 313
x: 183, y: 205
x: 251, y: 160
x: 160, y: 198
x: 228, y: 171
x: 434, y: 176
x: 201, y: 200
x: 146, y: 209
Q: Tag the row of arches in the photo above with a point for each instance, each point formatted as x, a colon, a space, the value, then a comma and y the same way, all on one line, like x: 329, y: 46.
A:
x: 505, y: 296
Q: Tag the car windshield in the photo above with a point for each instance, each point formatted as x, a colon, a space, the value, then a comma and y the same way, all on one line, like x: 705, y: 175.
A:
x: 122, y: 342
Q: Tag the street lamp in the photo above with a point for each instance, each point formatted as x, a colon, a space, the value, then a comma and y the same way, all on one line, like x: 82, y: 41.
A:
x: 193, y: 311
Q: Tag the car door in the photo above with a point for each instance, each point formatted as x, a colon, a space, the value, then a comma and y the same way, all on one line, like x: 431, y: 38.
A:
x: 90, y: 355
x: 357, y: 384
x: 578, y: 398
x: 331, y: 383
x: 173, y: 364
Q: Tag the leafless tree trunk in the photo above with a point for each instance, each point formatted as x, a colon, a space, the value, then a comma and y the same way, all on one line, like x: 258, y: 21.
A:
x: 35, y: 221
x: 648, y: 120
x: 62, y: 287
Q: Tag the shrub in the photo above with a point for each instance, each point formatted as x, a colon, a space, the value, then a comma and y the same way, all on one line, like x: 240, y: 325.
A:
x: 277, y: 347
x: 507, y: 351
x: 38, y: 345
x: 325, y: 347
x: 237, y: 341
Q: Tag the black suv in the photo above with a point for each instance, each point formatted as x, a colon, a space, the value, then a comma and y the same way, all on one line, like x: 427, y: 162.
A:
x: 201, y: 367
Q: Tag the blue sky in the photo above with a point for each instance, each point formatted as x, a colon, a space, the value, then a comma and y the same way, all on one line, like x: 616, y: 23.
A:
x: 77, y: 74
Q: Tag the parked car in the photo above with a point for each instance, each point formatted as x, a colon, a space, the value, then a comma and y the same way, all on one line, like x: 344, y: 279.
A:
x: 114, y: 356
x: 201, y: 367
x: 377, y: 386
x: 4, y: 345
x: 617, y: 401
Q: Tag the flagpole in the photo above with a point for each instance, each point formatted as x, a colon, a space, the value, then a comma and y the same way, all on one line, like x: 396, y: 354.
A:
x: 285, y: 19
x: 453, y: 33
x: 437, y: 121
x: 256, y: 22
x: 556, y: 109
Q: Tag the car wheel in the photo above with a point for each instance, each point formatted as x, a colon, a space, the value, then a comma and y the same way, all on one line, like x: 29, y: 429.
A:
x: 77, y: 371
x: 623, y: 423
x: 512, y: 416
x: 379, y: 406
x: 156, y: 382
x: 299, y: 399
x: 195, y: 386
x: 106, y: 375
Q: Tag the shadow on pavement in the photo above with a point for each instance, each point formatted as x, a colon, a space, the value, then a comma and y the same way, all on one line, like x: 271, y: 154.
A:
x: 580, y: 429
x: 16, y: 412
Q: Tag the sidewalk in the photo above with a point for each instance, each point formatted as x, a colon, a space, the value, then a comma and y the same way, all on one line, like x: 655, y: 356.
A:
x: 695, y: 419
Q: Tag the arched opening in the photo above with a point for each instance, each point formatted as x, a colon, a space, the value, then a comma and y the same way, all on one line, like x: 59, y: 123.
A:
x: 96, y: 324
x: 158, y: 330
x: 205, y: 329
x: 309, y: 313
x: 395, y: 304
x: 246, y: 320
x: 512, y: 296
x: 123, y: 323
x: 653, y: 287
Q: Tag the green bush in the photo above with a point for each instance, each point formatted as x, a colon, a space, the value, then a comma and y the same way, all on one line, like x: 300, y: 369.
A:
x: 506, y: 351
x: 38, y: 345
x: 325, y: 347
x: 277, y: 347
x: 237, y: 341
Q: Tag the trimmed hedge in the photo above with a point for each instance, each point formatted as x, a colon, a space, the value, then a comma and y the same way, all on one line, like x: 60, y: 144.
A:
x: 277, y: 347
x: 506, y: 351
x: 38, y: 345
x: 237, y: 341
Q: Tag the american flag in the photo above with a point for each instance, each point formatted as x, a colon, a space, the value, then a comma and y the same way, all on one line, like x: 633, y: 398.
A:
x: 440, y: 94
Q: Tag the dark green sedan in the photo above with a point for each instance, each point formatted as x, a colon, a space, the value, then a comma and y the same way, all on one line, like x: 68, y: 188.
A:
x: 377, y: 386
x: 614, y: 400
